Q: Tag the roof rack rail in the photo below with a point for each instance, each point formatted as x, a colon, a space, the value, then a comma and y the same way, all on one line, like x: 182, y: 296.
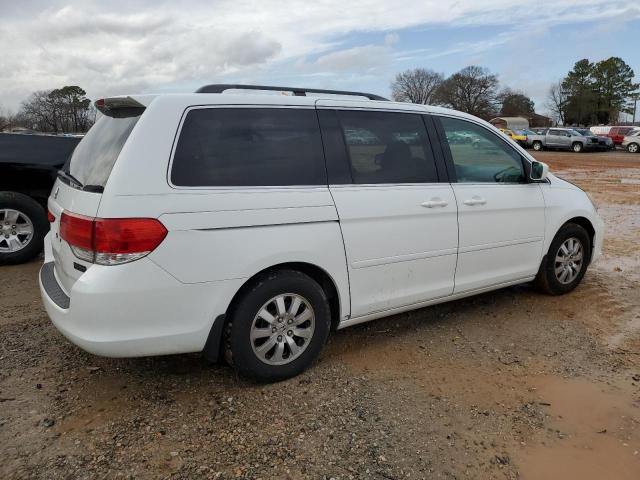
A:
x: 301, y: 92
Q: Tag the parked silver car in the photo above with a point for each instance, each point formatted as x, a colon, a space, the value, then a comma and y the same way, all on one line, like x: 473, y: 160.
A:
x: 632, y: 142
x: 564, y: 139
x: 604, y: 143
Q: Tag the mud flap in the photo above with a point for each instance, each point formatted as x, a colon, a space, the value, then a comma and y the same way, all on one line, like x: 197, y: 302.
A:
x: 211, y: 349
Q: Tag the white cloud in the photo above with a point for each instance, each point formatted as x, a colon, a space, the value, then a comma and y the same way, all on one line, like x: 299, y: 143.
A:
x: 118, y: 46
x: 391, y: 39
x: 360, y: 59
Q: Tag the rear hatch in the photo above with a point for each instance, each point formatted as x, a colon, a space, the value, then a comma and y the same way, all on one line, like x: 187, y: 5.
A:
x: 78, y: 189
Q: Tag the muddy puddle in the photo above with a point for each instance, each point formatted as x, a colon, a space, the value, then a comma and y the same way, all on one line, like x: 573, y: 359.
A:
x: 597, y: 430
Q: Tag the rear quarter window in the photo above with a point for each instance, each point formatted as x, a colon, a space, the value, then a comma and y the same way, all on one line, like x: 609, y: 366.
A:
x: 224, y: 147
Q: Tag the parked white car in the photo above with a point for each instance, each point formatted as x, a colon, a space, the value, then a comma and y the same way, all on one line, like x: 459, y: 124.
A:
x: 254, y: 224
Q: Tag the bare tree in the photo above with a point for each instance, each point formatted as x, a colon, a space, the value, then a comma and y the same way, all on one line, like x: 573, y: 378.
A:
x: 557, y: 100
x: 61, y: 110
x: 4, y: 120
x: 472, y: 90
x: 416, y: 86
x: 39, y: 112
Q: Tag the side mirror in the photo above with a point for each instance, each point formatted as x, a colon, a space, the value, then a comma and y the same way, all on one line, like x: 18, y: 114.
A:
x: 539, y: 171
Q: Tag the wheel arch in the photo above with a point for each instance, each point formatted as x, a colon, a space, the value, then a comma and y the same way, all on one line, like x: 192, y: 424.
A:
x: 320, y: 275
x: 213, y: 345
x: 585, y: 223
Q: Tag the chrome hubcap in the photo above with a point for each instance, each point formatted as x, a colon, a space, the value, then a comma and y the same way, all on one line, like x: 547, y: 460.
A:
x: 568, y: 262
x: 282, y: 329
x: 633, y: 148
x: 16, y: 230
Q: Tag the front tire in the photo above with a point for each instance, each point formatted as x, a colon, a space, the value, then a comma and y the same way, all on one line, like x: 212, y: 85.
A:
x: 577, y: 147
x: 23, y: 225
x: 566, y: 261
x: 633, y: 148
x: 278, y: 326
x: 537, y: 146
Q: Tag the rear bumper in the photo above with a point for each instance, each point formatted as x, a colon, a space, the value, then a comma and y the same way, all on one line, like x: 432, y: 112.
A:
x: 136, y: 309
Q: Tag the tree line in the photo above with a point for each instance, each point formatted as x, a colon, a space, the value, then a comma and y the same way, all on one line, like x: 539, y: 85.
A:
x: 61, y: 110
x: 473, y: 90
x: 592, y: 93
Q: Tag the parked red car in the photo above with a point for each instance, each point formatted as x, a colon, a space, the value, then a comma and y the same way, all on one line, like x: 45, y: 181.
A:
x: 617, y: 134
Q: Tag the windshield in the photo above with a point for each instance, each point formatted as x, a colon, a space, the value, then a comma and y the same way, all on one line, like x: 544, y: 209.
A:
x: 577, y: 133
x: 94, y: 157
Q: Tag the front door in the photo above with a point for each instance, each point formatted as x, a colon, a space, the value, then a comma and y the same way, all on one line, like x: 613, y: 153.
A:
x: 398, y: 222
x: 501, y: 217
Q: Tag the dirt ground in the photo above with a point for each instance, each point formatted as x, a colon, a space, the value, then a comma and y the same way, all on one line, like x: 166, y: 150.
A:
x: 509, y: 384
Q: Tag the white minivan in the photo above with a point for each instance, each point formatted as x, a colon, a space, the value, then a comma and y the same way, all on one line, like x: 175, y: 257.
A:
x: 252, y: 224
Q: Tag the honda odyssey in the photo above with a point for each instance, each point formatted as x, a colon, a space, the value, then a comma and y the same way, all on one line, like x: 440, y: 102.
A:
x: 252, y: 225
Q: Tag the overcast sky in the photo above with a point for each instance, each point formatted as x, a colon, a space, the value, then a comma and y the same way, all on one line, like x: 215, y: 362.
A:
x: 144, y: 46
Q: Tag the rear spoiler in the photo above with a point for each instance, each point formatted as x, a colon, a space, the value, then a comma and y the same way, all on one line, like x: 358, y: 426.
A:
x: 123, y: 105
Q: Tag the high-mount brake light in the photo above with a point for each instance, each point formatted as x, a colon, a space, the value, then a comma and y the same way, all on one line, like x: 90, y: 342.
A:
x: 111, y: 241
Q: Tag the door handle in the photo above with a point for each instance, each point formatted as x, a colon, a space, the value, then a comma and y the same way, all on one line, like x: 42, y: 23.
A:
x: 475, y: 200
x: 435, y: 202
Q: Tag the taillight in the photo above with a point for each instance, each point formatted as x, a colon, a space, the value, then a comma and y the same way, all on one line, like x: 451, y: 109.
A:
x: 120, y: 240
x: 77, y: 231
x: 111, y: 241
x: 50, y: 217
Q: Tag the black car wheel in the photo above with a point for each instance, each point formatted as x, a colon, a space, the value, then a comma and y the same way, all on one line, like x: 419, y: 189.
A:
x: 23, y: 225
x: 278, y: 326
x: 566, y: 261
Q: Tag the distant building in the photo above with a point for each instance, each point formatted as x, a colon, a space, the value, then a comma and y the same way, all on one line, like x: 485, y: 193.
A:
x: 513, y: 123
x: 521, y: 123
x: 537, y: 120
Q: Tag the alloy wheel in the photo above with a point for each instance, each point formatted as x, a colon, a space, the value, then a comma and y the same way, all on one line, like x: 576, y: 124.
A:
x: 16, y: 230
x: 569, y: 260
x: 282, y: 329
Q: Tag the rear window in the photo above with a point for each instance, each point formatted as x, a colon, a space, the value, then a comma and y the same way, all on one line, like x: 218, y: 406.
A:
x: 220, y: 147
x: 95, y: 155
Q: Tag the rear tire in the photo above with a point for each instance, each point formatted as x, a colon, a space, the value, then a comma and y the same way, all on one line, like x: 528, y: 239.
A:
x: 266, y: 338
x: 577, y: 147
x: 564, y: 266
x: 26, y: 215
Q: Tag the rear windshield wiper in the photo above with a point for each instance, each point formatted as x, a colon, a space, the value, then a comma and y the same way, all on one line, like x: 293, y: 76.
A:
x: 78, y: 184
x: 69, y: 178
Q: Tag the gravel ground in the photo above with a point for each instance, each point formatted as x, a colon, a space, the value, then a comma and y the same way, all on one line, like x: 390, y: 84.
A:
x: 509, y: 384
